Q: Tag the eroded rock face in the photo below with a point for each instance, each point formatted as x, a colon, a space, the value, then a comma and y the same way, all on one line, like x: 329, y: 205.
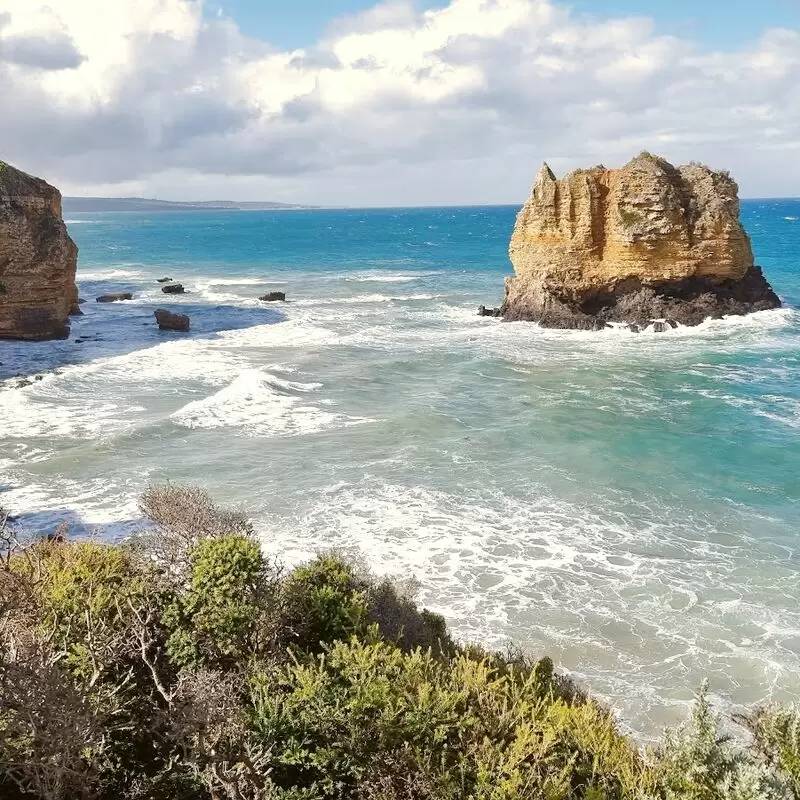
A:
x: 37, y: 260
x: 645, y: 242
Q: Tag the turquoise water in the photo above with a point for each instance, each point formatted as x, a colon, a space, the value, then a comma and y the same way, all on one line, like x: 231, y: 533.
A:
x: 626, y: 502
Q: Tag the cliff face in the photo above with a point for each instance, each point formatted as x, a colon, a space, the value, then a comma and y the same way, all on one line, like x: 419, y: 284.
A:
x: 648, y: 241
x: 37, y: 260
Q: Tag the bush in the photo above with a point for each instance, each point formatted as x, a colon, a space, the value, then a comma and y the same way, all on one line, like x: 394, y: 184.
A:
x: 698, y: 763
x: 187, y: 666
x: 777, y: 734
x: 222, y: 618
x: 365, y: 719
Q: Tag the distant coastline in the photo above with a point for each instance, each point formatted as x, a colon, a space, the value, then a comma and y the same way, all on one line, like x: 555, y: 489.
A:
x: 95, y: 204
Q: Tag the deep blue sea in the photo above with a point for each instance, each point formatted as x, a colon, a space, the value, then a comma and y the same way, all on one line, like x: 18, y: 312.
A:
x: 629, y: 503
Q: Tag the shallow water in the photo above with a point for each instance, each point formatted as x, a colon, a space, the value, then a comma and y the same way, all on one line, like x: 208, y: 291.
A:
x: 625, y: 502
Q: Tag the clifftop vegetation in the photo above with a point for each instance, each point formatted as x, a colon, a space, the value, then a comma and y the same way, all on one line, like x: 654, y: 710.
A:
x: 185, y: 665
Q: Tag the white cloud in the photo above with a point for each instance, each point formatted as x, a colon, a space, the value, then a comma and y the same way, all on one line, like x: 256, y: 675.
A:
x: 391, y: 106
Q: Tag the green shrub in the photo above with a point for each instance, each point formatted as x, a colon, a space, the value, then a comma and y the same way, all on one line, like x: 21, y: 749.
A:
x: 697, y: 763
x: 777, y: 733
x: 92, y: 597
x: 222, y: 617
x: 365, y: 719
x: 629, y: 218
x: 189, y: 667
x: 330, y: 599
x: 322, y: 602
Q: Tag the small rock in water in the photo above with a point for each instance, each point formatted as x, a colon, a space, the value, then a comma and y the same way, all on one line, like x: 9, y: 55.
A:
x: 167, y: 321
x: 672, y: 323
x: 659, y: 326
x: 164, y: 280
x: 488, y: 312
x: 173, y: 288
x: 271, y: 297
x: 114, y: 298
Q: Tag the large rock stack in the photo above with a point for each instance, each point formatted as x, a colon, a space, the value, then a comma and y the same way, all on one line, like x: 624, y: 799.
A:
x: 645, y: 242
x: 37, y: 260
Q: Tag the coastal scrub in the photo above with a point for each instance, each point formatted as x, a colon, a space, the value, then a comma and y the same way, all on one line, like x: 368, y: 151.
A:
x: 185, y: 665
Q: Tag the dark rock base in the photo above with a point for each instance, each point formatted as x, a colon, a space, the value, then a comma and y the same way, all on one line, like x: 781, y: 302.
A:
x: 167, y: 321
x: 686, y: 302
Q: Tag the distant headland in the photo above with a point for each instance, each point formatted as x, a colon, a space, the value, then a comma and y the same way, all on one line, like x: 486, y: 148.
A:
x: 95, y: 204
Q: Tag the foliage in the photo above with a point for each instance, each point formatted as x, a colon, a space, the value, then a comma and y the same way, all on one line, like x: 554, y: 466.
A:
x: 629, y: 218
x: 185, y: 665
x: 777, y: 734
x: 218, y: 620
x: 700, y: 764
x: 365, y: 719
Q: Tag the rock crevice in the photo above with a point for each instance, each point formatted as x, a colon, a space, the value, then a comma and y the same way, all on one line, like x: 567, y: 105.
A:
x: 37, y: 260
x: 647, y: 241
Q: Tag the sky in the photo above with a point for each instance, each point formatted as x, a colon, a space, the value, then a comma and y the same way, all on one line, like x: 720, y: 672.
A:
x: 349, y: 102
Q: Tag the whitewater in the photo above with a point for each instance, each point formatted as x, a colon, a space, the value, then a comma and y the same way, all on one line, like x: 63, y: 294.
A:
x: 628, y: 503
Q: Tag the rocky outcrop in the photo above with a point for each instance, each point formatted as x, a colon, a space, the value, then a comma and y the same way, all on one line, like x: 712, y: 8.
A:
x: 37, y: 260
x: 645, y: 242
x: 173, y: 288
x: 167, y: 321
x: 273, y: 297
x: 115, y: 297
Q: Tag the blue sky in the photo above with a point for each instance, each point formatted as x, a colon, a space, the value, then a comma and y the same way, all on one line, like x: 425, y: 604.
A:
x: 718, y: 23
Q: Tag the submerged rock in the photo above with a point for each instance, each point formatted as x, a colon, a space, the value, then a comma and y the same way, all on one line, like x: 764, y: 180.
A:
x: 271, y: 297
x: 489, y: 312
x: 167, y: 321
x: 173, y: 288
x: 37, y: 259
x: 645, y: 242
x: 116, y: 297
x: 164, y: 280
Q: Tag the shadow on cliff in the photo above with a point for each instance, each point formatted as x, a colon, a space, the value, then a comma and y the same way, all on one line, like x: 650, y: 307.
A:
x: 116, y: 329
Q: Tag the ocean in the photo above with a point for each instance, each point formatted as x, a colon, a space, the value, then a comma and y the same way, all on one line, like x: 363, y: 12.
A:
x: 628, y: 503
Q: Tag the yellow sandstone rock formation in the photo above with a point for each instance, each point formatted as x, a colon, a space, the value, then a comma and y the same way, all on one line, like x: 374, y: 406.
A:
x: 37, y: 260
x: 645, y: 242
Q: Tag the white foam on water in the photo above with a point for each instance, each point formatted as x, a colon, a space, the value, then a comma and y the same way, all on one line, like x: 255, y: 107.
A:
x: 634, y: 607
x: 260, y: 404
x: 369, y: 299
x: 223, y: 298
x: 88, y: 505
x: 294, y: 332
x: 240, y: 282
x: 110, y: 274
x: 382, y: 277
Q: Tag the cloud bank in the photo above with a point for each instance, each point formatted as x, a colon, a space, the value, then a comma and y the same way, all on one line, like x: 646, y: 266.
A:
x: 392, y: 106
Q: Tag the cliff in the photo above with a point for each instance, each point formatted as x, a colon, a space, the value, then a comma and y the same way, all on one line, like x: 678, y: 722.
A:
x: 37, y: 260
x: 645, y: 242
